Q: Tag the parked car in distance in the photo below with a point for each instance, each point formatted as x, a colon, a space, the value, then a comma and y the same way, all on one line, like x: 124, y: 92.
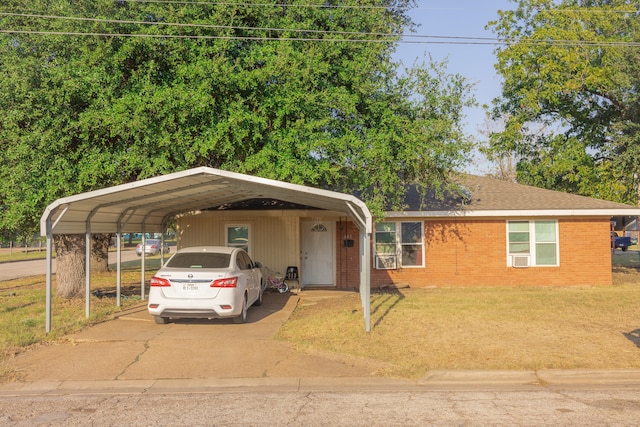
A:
x: 151, y: 247
x: 206, y: 282
x: 621, y: 242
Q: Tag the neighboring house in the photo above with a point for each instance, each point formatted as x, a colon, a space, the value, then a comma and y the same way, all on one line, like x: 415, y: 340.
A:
x: 495, y: 233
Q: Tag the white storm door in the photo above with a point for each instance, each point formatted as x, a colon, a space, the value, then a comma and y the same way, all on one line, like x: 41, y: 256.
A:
x: 318, y: 259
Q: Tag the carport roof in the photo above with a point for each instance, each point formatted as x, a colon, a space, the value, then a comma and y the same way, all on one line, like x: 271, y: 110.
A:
x: 149, y: 204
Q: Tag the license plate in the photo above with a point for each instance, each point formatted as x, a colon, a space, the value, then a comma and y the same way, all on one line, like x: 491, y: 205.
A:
x: 190, y: 287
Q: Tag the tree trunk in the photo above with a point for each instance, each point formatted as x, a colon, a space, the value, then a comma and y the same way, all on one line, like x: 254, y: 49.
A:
x: 100, y: 253
x: 71, y: 265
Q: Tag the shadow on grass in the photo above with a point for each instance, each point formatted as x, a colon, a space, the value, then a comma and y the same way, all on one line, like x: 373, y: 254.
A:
x: 18, y: 307
x: 383, y: 302
x: 633, y: 336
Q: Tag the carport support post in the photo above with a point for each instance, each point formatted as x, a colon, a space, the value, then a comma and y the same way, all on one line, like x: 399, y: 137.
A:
x: 162, y: 252
x: 87, y: 274
x: 48, y: 277
x: 365, y: 277
x: 118, y: 266
x: 143, y: 246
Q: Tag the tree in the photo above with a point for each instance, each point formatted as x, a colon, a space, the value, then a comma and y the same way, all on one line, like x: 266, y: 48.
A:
x: 300, y: 91
x: 570, y: 96
x: 503, y: 162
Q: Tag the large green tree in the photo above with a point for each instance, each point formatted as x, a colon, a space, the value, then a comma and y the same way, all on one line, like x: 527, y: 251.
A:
x: 301, y: 91
x: 570, y: 98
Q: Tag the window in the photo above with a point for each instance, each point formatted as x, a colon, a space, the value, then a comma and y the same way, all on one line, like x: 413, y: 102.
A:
x: 243, y: 261
x: 199, y: 260
x: 319, y: 228
x: 399, y: 244
x: 385, y: 245
x: 532, y: 243
x: 238, y: 236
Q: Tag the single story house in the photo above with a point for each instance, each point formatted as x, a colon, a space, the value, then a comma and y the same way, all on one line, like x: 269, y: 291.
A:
x: 495, y: 233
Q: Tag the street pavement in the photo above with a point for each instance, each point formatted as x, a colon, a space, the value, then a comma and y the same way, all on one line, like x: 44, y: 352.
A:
x: 264, y: 407
x: 36, y: 267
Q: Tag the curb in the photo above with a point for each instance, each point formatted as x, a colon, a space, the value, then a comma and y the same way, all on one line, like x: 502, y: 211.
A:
x: 434, y: 381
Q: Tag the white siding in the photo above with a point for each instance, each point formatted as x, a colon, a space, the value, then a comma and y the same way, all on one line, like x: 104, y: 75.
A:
x: 275, y: 238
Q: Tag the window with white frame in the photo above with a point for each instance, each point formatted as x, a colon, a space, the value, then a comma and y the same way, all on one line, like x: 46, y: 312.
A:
x: 238, y: 236
x: 399, y: 244
x: 532, y: 243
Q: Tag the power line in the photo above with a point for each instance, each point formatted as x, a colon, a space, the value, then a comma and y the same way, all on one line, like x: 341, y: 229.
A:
x: 588, y: 11
x: 186, y: 36
x: 232, y: 27
x: 364, y: 7
x: 468, y: 41
x: 328, y: 6
x: 168, y: 24
x: 222, y: 3
x: 386, y: 37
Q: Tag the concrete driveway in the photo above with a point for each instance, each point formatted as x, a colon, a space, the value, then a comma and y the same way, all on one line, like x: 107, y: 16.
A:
x: 133, y: 347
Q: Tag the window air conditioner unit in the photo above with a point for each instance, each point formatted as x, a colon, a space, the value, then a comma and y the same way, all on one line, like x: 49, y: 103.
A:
x: 520, y: 261
x: 386, y: 262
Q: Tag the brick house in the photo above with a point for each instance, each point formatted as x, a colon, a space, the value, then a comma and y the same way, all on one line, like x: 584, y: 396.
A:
x: 502, y: 234
x: 496, y: 233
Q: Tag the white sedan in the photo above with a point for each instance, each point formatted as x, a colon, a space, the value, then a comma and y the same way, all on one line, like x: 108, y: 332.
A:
x: 206, y: 282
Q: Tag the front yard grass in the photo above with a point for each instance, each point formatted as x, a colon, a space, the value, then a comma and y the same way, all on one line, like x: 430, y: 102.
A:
x: 413, y: 330
x: 489, y: 328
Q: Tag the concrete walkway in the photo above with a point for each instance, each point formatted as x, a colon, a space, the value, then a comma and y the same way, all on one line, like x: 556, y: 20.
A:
x: 134, y: 355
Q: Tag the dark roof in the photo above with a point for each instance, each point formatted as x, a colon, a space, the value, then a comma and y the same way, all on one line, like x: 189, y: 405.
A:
x: 260, y: 204
x: 477, y: 193
x: 490, y: 194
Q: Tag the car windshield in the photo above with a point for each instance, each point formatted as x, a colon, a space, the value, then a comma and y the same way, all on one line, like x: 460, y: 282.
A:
x: 199, y: 260
x: 152, y: 242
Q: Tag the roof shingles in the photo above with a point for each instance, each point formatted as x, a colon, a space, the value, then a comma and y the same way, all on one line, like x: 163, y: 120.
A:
x: 490, y: 194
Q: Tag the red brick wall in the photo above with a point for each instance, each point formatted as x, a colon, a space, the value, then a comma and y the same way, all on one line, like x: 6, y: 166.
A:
x: 348, y: 258
x: 472, y: 252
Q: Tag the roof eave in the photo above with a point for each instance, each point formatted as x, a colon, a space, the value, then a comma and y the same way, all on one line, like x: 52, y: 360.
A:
x: 515, y: 213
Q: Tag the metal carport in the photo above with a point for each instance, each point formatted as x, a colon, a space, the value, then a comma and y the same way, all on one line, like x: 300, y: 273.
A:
x: 148, y: 206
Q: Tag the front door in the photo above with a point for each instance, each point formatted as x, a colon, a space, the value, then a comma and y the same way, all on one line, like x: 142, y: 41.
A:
x: 318, y: 258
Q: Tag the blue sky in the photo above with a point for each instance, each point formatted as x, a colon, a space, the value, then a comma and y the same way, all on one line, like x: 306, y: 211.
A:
x: 459, y: 18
